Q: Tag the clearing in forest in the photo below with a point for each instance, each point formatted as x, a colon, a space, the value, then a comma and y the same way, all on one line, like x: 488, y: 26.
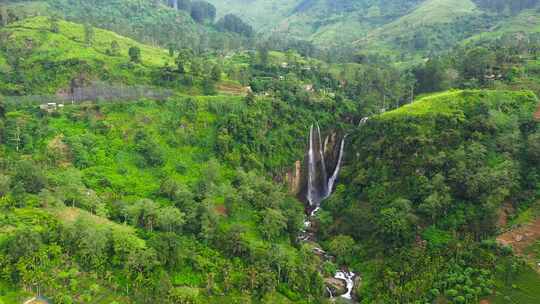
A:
x: 521, y: 238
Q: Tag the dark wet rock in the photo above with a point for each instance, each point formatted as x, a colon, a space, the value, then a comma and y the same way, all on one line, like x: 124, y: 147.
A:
x: 336, y: 286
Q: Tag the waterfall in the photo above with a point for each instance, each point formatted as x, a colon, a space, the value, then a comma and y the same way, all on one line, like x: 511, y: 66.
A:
x: 332, y: 180
x: 311, y: 170
x: 348, y: 277
x: 326, y: 142
x: 323, y: 163
x: 319, y: 188
x: 329, y: 292
x: 319, y: 184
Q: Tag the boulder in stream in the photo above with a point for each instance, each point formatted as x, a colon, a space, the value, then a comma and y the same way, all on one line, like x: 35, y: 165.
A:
x: 336, y: 286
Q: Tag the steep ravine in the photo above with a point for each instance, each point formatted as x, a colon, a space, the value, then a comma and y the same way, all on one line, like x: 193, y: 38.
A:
x: 323, y: 155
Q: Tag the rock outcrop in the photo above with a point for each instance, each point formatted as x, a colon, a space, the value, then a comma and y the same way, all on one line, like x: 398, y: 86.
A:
x: 337, y: 287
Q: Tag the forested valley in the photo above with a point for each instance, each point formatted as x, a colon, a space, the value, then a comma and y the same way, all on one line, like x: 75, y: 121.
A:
x: 188, y: 152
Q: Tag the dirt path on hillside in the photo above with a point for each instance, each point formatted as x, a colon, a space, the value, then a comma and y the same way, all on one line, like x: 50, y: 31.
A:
x: 537, y: 114
x: 521, y: 238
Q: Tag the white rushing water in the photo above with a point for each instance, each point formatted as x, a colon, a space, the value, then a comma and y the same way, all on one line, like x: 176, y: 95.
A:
x: 311, y: 169
x: 319, y: 188
x: 334, y: 176
x: 348, y: 277
x: 323, y: 163
x: 329, y: 292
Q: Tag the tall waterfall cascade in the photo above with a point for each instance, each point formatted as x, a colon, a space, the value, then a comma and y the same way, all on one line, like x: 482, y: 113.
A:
x: 319, y: 184
x: 319, y: 187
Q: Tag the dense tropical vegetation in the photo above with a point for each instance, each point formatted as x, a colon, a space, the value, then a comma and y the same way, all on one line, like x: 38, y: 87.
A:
x: 160, y: 168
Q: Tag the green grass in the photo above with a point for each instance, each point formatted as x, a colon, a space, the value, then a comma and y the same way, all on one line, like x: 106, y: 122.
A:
x: 69, y: 42
x: 523, y: 289
x: 428, y: 13
x: 51, y: 60
x: 11, y: 295
x: 437, y: 11
x: 534, y: 251
x: 452, y: 103
x: 524, y: 217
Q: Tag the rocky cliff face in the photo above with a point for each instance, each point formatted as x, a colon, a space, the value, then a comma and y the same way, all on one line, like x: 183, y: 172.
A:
x: 293, y: 178
x: 325, y: 154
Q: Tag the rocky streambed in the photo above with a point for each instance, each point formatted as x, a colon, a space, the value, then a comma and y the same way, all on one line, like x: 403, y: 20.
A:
x: 343, y: 283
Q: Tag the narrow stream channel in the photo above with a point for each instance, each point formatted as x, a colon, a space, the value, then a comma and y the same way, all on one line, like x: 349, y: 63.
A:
x: 319, y: 188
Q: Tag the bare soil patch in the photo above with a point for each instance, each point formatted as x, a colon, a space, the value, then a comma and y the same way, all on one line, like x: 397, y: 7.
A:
x: 231, y: 88
x: 522, y: 237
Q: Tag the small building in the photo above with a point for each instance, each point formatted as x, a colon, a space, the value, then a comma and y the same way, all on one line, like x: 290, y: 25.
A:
x: 51, y: 106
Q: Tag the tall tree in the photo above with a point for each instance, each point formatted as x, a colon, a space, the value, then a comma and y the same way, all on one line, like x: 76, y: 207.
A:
x: 170, y: 219
x: 273, y: 224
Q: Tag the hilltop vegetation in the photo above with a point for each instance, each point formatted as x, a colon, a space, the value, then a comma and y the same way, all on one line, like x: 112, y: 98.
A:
x: 190, y: 214
x: 425, y: 186
x: 404, y: 30
x: 47, y: 55
x: 43, y: 55
x: 151, y: 22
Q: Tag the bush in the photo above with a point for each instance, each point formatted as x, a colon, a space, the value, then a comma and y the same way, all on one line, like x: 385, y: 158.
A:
x: 134, y: 54
x: 149, y: 149
x: 29, y: 176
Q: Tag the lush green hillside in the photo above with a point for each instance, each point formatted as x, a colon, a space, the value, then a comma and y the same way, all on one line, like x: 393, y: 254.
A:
x: 155, y: 201
x: 151, y: 22
x: 36, y: 59
x: 406, y: 30
x: 155, y: 167
x: 187, y: 197
x: 425, y: 183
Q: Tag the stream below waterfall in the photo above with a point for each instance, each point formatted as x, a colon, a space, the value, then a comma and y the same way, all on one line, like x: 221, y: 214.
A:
x: 349, y: 277
x: 319, y: 187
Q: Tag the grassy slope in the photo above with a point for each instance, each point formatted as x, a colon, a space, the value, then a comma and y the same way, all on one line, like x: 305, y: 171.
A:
x: 43, y: 49
x: 527, y: 281
x: 428, y: 13
x: 313, y: 22
x: 69, y: 42
x: 524, y: 286
x: 442, y: 23
x: 187, y: 146
x: 316, y: 23
x: 452, y: 103
x: 524, y: 289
